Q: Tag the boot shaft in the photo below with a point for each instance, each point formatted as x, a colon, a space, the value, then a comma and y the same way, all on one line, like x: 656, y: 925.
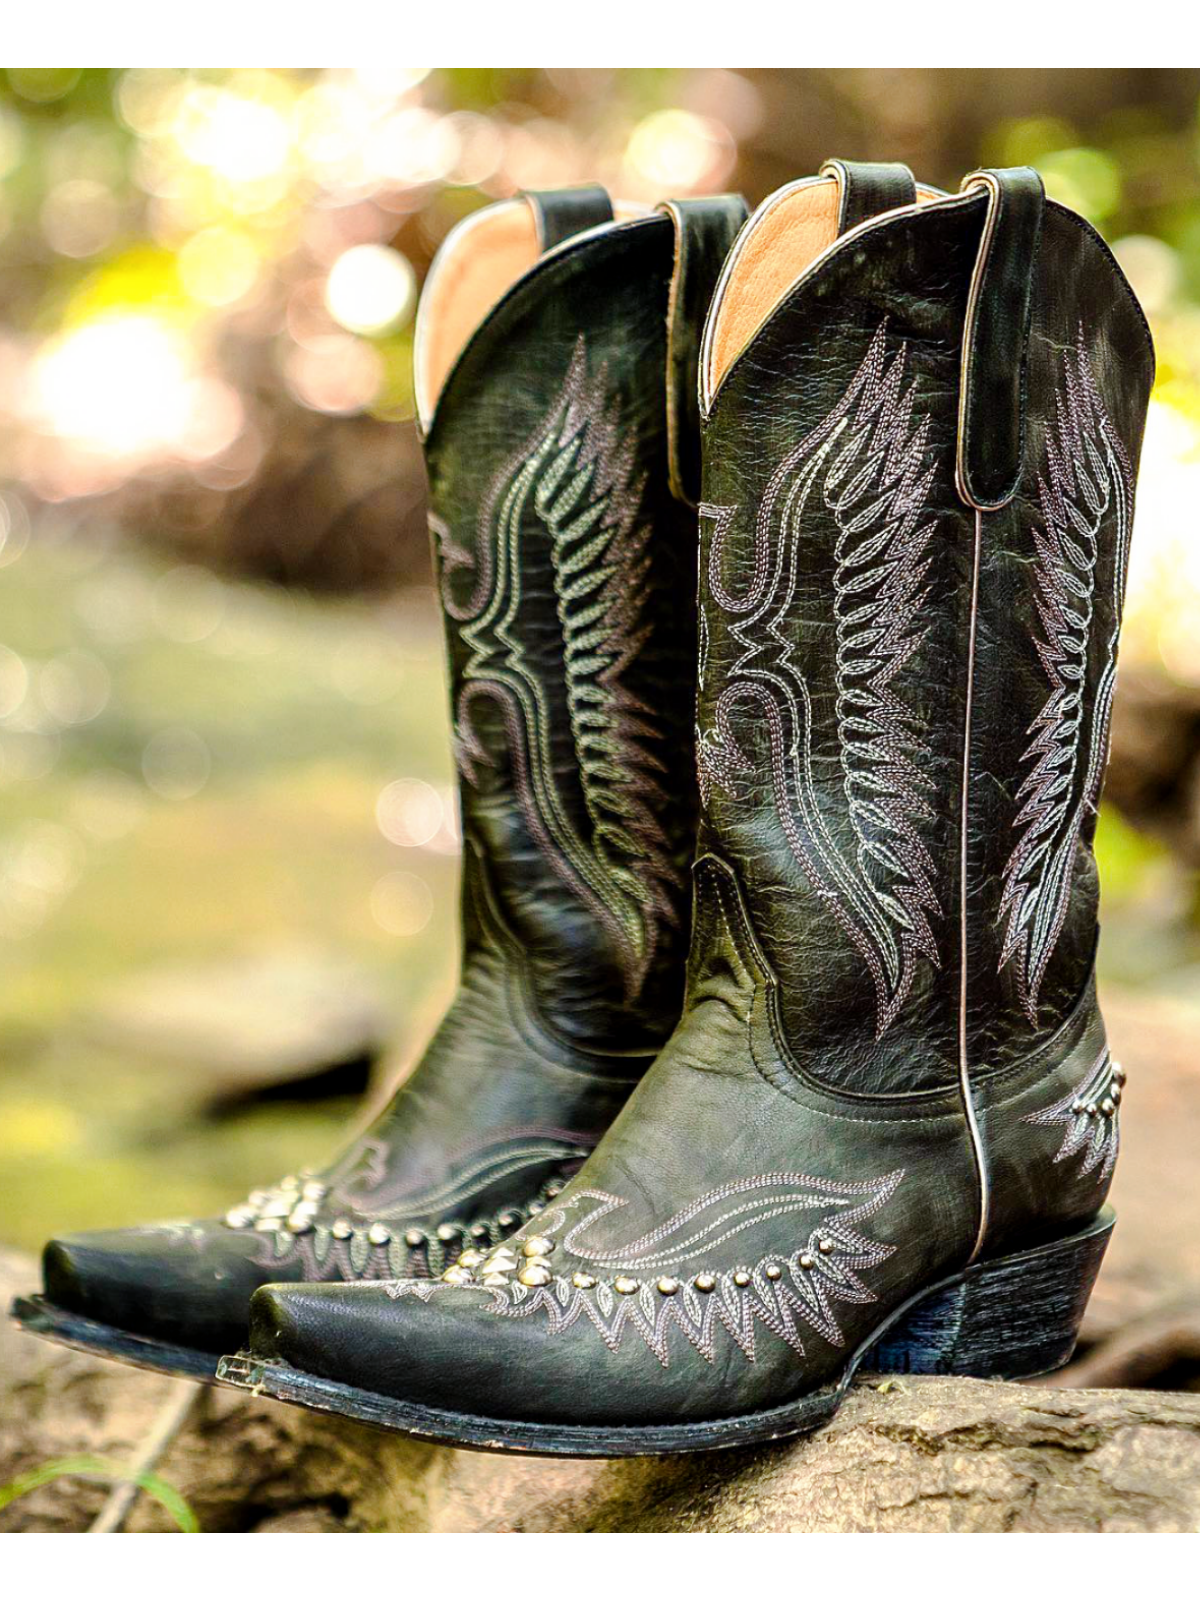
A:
x: 919, y: 457
x: 555, y: 354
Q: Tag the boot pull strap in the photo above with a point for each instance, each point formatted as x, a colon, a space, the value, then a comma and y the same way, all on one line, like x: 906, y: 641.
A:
x: 560, y: 213
x: 867, y: 188
x: 704, y: 233
x: 991, y: 396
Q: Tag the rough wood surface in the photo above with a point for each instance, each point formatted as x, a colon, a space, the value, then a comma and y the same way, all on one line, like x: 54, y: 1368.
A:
x: 925, y: 1455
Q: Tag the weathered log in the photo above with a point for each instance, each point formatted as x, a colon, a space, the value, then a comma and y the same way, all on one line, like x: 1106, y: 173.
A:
x: 922, y: 1455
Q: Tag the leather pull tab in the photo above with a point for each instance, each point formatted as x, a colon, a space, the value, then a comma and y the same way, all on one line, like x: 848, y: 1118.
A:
x: 991, y: 401
x: 704, y: 233
x: 868, y: 188
x: 560, y: 213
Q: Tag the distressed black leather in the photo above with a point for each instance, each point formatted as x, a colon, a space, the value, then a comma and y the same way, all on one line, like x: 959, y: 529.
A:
x: 869, y: 188
x: 902, y: 723
x: 568, y: 578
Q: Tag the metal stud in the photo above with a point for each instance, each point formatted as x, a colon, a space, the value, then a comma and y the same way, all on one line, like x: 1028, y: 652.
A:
x: 494, y: 1280
x: 536, y: 1207
x: 379, y: 1233
x: 1078, y: 1107
x: 413, y: 1238
x: 1118, y: 1072
x: 773, y: 1270
x: 300, y: 1222
x: 290, y: 1182
x: 668, y: 1286
x: 342, y: 1228
x: 268, y: 1224
x: 554, y: 1188
x: 508, y: 1219
x: 537, y: 1246
x: 741, y: 1278
x: 480, y: 1230
x: 583, y: 1280
x: 239, y: 1217
x: 824, y: 1246
x: 470, y: 1258
x: 535, y: 1275
x: 314, y: 1190
x: 447, y: 1231
x: 1090, y: 1110
x: 808, y: 1262
x: 626, y: 1285
x: 1115, y: 1094
x: 259, y: 1197
x: 1107, y: 1106
x: 705, y: 1282
x: 456, y: 1275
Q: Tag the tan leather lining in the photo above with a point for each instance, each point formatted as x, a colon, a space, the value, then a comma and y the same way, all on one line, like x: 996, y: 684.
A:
x: 480, y: 261
x: 785, y: 239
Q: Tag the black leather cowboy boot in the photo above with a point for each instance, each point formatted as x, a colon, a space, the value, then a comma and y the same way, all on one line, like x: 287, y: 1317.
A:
x: 883, y: 1130
x: 557, y: 356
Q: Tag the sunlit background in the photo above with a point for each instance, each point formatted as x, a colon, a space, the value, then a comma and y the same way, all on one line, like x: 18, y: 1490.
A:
x: 227, y: 829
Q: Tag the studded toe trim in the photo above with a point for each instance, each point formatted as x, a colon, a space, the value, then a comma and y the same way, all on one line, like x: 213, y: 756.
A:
x: 295, y: 1221
x: 783, y: 1291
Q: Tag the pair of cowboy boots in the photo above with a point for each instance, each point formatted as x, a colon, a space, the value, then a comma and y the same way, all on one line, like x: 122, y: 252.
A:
x: 657, y: 1188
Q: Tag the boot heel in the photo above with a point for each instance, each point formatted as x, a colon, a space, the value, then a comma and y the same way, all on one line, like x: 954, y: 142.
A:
x: 1015, y: 1317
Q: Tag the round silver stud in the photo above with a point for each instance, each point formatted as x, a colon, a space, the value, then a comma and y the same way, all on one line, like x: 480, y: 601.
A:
x: 705, y: 1282
x: 626, y: 1285
x: 668, y: 1286
x: 741, y: 1278
x: 808, y: 1262
x: 379, y: 1233
x: 583, y: 1280
x: 480, y: 1230
x: 1089, y: 1110
x: 239, y: 1217
x: 554, y: 1188
x: 1118, y: 1072
x: 413, y: 1238
x: 1107, y: 1106
x: 470, y: 1258
x: 290, y: 1182
x: 508, y: 1219
x: 773, y: 1270
x: 537, y: 1246
x: 825, y: 1246
x: 447, y: 1231
x: 300, y: 1222
x: 342, y: 1228
x: 1078, y: 1107
x: 314, y: 1190
x: 535, y: 1275
x: 456, y: 1275
x: 535, y: 1206
x: 1114, y: 1094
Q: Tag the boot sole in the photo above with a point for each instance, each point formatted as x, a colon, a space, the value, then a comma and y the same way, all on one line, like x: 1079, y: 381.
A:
x: 1014, y: 1317
x: 36, y: 1314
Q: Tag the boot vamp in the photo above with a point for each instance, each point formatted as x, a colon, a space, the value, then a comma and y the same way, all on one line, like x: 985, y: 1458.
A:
x: 185, y: 1283
x: 726, y: 1249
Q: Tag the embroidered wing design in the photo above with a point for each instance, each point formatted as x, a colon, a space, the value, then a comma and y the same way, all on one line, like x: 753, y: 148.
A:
x: 867, y: 468
x: 1085, y: 494
x: 574, y: 484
